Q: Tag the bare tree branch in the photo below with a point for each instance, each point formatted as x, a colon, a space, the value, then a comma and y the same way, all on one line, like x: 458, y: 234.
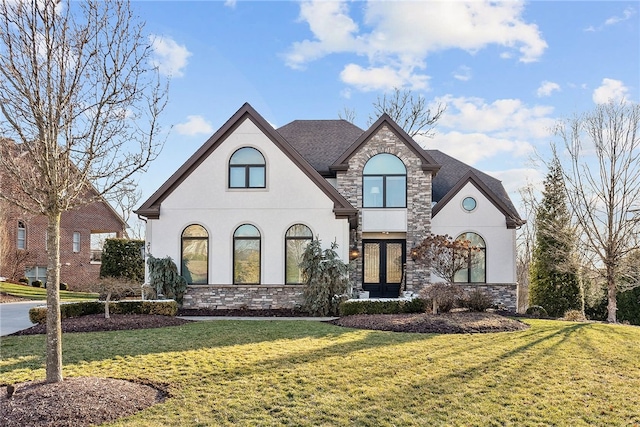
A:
x: 80, y: 104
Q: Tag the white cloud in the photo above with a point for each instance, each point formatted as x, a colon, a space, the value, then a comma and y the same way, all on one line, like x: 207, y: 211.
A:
x: 547, y: 88
x: 474, y: 147
x: 463, y: 73
x: 400, y: 35
x: 504, y: 118
x: 382, y: 78
x: 610, y: 89
x: 195, y: 125
x: 169, y: 56
x: 515, y: 179
x: 613, y: 20
x: 230, y: 3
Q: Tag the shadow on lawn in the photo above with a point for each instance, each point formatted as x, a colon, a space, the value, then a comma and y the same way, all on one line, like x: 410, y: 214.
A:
x: 104, y: 346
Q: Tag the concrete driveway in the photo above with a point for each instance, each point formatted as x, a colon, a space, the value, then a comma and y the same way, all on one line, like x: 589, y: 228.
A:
x: 14, y: 316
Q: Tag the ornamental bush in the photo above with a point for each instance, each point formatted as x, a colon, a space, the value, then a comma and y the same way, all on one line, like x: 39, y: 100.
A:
x: 76, y: 309
x: 123, y: 258
x: 351, y: 307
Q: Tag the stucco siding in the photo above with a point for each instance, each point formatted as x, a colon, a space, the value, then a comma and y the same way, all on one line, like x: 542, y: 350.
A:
x: 488, y: 222
x: 203, y: 198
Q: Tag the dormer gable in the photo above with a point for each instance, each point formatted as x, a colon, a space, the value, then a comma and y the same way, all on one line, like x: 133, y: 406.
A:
x: 151, y: 207
x: 512, y: 218
x: 428, y: 163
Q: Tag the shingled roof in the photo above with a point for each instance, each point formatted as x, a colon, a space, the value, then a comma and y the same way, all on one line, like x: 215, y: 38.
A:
x: 323, y: 142
x: 320, y: 142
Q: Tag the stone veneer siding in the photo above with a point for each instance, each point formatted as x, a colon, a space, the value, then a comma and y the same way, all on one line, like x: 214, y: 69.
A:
x: 349, y: 184
x: 504, y: 295
x: 256, y: 297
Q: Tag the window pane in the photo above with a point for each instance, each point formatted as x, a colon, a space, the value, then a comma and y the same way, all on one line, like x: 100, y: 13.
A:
x: 384, y: 164
x: 295, y: 250
x: 76, y: 241
x: 396, y: 191
x: 247, y: 156
x: 299, y: 230
x: 372, y: 263
x: 195, y: 231
x: 372, y: 189
x: 246, y: 259
x: 256, y: 177
x: 246, y: 230
x: 195, y: 260
x: 478, y: 273
x: 462, y: 276
x: 394, y: 262
x: 237, y: 177
x: 22, y: 236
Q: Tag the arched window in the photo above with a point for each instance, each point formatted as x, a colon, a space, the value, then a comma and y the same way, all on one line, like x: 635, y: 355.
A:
x: 195, y: 254
x: 384, y: 182
x: 21, y: 237
x: 246, y: 255
x: 247, y: 169
x: 476, y: 271
x: 296, y: 240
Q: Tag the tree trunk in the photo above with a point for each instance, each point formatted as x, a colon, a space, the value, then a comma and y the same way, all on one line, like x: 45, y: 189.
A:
x: 106, y: 306
x: 54, y: 327
x: 612, y: 304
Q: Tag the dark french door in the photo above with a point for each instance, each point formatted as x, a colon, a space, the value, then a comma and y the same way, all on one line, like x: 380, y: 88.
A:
x: 383, y: 262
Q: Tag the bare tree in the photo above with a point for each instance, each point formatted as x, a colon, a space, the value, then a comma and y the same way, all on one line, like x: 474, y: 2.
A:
x: 81, y: 100
x: 348, y: 114
x: 446, y: 257
x: 601, y: 166
x: 525, y: 242
x: 4, y: 234
x: 409, y: 111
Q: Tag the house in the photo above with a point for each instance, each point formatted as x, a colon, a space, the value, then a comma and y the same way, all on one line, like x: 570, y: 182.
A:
x: 82, y: 232
x: 239, y: 212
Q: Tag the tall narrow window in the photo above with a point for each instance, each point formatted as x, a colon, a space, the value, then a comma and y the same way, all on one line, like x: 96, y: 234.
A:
x: 296, y: 240
x: 476, y: 260
x: 384, y: 182
x: 76, y: 241
x: 247, y: 169
x: 195, y: 254
x: 246, y: 255
x: 21, y: 242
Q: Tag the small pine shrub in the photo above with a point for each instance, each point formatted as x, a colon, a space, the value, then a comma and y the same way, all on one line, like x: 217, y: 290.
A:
x: 36, y: 283
x: 536, y: 311
x: 64, y: 286
x: 23, y: 280
x: 574, y: 316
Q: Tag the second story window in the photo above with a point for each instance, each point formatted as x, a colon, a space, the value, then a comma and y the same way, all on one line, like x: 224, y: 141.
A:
x: 247, y: 169
x: 21, y: 241
x: 76, y: 241
x: 384, y: 182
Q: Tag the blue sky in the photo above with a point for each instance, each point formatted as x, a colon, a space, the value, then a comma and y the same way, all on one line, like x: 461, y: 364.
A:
x: 506, y: 71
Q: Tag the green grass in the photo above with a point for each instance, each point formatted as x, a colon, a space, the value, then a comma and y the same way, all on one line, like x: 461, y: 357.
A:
x: 279, y: 373
x: 29, y: 292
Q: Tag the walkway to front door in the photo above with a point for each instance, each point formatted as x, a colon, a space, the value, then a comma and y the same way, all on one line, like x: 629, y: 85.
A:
x: 383, y: 264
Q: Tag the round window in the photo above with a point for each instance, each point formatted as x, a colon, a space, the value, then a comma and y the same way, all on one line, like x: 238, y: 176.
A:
x: 469, y: 204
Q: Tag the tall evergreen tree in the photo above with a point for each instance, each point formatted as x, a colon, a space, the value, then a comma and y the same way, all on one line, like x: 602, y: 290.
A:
x: 554, y: 283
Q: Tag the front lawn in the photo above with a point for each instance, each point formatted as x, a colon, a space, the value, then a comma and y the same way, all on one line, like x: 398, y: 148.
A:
x: 32, y: 293
x: 250, y: 373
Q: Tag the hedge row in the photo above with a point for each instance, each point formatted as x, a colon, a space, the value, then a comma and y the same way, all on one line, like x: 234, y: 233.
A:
x: 416, y: 305
x: 76, y: 309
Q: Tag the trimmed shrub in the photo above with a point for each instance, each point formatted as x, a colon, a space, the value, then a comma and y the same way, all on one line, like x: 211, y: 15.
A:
x: 77, y: 309
x: 536, y: 311
x: 36, y: 283
x: 64, y: 286
x: 24, y: 280
x: 574, y: 316
x: 123, y: 258
x: 477, y: 301
x: 416, y: 305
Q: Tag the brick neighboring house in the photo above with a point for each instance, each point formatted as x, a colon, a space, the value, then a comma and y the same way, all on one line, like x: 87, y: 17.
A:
x: 82, y: 232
